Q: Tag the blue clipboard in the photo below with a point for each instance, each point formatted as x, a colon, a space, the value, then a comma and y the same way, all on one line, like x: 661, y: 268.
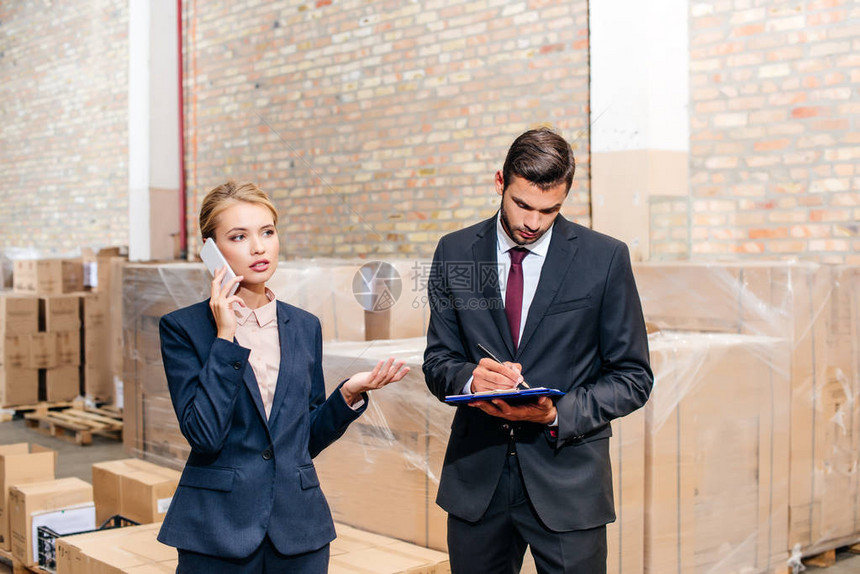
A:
x: 513, y: 396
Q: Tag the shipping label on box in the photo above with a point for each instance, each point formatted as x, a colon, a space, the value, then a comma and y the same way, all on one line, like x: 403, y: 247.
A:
x: 19, y: 315
x: 43, y: 350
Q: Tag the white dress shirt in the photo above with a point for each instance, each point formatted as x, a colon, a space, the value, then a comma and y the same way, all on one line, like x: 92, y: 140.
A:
x: 532, y: 266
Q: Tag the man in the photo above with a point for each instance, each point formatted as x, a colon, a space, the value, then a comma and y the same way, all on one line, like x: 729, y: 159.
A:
x: 556, y: 303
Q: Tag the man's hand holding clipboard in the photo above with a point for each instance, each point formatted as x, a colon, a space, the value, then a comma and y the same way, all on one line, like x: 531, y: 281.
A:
x: 499, y: 390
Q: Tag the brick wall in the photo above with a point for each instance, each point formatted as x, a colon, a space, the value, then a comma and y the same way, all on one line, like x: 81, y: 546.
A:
x: 378, y: 126
x: 775, y: 129
x: 63, y: 111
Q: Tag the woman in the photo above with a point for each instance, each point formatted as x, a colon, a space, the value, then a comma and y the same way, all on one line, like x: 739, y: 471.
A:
x: 246, y: 381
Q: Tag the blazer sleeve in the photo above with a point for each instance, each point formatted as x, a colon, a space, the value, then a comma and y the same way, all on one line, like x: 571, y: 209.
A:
x: 446, y: 368
x: 203, y: 394
x: 329, y: 417
x: 625, y: 379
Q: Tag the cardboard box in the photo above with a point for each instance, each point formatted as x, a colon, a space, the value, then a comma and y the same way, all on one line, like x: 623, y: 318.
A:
x: 96, y: 346
x: 717, y: 454
x: 68, y: 348
x: 810, y: 305
x: 62, y: 383
x: 137, y: 489
x: 48, y: 276
x: 19, y: 315
x: 117, y: 550
x: 18, y: 386
x: 43, y: 350
x: 358, y: 552
x: 15, y: 351
x: 50, y: 503
x: 626, y: 536
x: 21, y: 463
x: 60, y: 313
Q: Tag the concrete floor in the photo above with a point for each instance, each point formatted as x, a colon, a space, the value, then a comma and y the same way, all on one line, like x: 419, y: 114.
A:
x: 74, y: 460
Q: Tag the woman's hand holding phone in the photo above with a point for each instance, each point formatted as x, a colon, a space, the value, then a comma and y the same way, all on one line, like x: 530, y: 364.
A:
x: 384, y: 373
x: 221, y: 304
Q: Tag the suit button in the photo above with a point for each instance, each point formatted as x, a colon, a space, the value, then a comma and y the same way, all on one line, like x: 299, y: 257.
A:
x: 267, y: 454
x: 237, y: 365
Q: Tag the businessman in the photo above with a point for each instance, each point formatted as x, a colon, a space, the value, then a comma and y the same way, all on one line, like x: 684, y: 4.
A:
x: 555, y: 303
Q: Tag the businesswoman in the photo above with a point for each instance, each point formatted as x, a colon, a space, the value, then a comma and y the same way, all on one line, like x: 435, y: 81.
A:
x: 246, y: 381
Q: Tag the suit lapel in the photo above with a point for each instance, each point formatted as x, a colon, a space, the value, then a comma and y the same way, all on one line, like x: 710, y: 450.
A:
x: 484, y: 251
x: 562, y: 251
x: 250, y: 381
x: 286, y: 336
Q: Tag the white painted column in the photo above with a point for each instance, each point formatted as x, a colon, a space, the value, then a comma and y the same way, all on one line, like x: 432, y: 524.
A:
x: 153, y: 130
x: 640, y: 138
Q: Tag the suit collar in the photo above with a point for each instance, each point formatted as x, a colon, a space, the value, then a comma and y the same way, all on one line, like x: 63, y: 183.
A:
x: 287, y: 340
x: 285, y: 337
x: 486, y: 274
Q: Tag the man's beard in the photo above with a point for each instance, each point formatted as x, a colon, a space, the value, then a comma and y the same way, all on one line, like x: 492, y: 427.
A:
x: 506, y: 225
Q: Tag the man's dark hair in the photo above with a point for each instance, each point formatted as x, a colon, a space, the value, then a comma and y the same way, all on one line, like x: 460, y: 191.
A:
x: 541, y: 157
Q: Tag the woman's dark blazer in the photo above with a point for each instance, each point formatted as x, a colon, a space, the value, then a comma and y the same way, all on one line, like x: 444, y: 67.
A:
x: 247, y: 477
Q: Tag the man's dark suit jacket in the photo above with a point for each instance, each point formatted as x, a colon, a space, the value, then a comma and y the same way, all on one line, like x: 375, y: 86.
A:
x: 247, y: 477
x: 584, y: 335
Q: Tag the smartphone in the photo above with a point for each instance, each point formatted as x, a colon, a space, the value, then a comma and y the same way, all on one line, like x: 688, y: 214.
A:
x: 214, y: 260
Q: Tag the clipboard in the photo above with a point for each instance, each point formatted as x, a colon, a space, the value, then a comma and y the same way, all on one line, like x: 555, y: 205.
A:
x: 512, y: 396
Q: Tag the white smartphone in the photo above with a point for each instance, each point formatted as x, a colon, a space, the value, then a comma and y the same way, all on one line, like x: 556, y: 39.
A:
x: 214, y: 260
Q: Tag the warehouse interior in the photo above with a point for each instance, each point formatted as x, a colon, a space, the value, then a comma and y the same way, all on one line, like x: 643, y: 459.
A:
x: 718, y: 139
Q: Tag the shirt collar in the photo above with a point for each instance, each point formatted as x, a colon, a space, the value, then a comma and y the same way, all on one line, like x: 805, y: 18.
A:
x: 262, y: 315
x: 505, y: 243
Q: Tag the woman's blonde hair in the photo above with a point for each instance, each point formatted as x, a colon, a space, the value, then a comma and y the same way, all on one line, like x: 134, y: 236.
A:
x: 226, y: 195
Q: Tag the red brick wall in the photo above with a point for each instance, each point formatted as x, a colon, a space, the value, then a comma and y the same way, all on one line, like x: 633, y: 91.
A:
x: 378, y: 126
x: 64, y: 116
x: 775, y: 129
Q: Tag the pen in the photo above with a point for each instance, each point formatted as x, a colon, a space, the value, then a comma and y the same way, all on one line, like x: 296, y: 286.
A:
x: 489, y: 354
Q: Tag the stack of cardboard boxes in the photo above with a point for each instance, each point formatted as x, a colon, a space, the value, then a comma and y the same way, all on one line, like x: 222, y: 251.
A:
x: 813, y: 309
x: 55, y: 338
x: 748, y: 447
x: 32, y: 497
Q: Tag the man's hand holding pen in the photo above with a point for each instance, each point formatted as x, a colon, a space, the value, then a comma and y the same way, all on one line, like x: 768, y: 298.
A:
x: 491, y: 375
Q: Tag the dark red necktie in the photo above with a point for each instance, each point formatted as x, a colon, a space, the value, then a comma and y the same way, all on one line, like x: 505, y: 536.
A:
x: 514, y: 292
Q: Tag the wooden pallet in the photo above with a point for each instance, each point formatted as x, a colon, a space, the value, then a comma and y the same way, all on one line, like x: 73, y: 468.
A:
x: 41, y: 406
x: 827, y: 558
x: 17, y: 567
x: 76, y: 425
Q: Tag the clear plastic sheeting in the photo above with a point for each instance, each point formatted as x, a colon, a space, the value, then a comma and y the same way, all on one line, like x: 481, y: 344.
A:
x: 815, y: 309
x: 747, y: 449
x: 383, y: 474
x: 717, y: 453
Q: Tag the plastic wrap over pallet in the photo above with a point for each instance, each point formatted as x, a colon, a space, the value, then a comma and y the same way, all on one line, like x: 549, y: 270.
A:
x: 325, y: 288
x: 383, y: 474
x: 816, y: 309
x: 717, y: 454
